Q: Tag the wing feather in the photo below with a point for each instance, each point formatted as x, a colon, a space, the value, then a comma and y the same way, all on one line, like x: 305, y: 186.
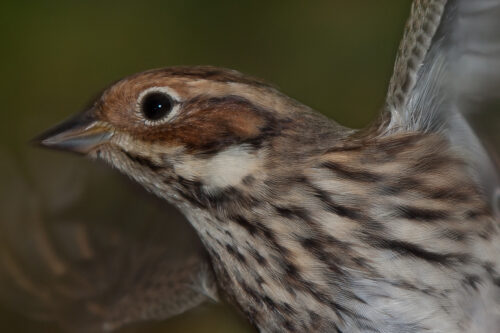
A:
x: 446, y: 76
x: 94, y: 272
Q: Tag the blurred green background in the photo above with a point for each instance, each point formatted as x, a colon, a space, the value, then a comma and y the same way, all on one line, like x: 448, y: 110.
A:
x: 335, y: 56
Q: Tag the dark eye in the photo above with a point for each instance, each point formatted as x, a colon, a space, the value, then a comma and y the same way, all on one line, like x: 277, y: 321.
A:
x: 156, y: 105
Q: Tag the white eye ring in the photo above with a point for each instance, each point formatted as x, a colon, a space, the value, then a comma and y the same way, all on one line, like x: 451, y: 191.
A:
x: 163, y: 90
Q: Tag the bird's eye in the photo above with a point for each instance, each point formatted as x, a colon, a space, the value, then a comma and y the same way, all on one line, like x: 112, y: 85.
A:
x: 156, y: 105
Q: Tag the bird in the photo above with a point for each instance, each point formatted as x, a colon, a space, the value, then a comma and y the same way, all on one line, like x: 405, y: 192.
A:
x: 310, y: 226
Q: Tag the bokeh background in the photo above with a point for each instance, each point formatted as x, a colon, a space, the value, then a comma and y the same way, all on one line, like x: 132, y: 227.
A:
x: 335, y: 56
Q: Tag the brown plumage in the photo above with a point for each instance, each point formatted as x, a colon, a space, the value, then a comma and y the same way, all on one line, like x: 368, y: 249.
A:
x: 311, y: 226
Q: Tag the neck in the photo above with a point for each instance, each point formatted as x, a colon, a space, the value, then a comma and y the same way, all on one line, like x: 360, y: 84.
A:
x: 299, y: 237
x: 304, y: 243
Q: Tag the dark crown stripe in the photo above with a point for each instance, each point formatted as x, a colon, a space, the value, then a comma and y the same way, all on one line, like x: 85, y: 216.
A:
x: 214, y: 74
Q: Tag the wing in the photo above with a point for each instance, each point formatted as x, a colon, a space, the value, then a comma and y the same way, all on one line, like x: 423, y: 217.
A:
x: 447, y: 78
x: 94, y: 271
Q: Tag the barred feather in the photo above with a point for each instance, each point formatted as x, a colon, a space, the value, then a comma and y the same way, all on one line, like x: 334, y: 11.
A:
x: 448, y: 69
x: 311, y: 226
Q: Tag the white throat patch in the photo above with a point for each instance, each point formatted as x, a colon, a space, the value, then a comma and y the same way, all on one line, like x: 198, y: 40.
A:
x: 227, y: 168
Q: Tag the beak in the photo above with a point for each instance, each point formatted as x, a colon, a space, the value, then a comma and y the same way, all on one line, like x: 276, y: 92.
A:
x: 80, y: 134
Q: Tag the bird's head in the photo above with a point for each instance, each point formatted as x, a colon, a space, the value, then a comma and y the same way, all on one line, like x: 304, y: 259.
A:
x: 207, y: 126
